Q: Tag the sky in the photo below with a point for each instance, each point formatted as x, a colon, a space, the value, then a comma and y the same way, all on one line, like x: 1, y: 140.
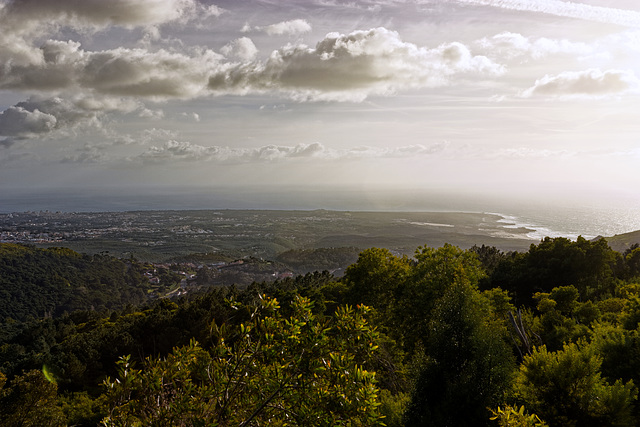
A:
x: 519, y: 98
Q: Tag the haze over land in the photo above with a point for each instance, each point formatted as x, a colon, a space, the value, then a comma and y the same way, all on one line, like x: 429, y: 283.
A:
x: 474, y: 99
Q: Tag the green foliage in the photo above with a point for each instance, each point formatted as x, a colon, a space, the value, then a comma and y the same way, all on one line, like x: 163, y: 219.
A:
x: 632, y: 261
x: 81, y: 410
x: 590, y: 266
x: 290, y: 353
x: 319, y: 259
x: 436, y: 270
x: 48, y: 282
x: 619, y: 350
x: 558, y: 322
x: 500, y: 302
x: 30, y: 401
x: 441, y: 267
x: 392, y: 407
x: 298, y: 370
x: 566, y: 388
x: 489, y: 256
x: 511, y: 416
x: 376, y: 277
x: 469, y: 363
x: 587, y: 312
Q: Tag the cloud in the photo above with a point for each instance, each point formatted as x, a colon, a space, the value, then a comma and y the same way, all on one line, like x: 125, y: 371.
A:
x: 353, y: 66
x: 296, y: 26
x: 293, y: 27
x: 242, y: 48
x: 31, y: 61
x: 370, y: 6
x: 342, y: 67
x: 121, y: 71
x: 195, y: 117
x: 529, y: 153
x: 627, y: 154
x: 43, y: 117
x: 567, y: 9
x: 87, y: 154
x: 33, y: 16
x: 592, y: 83
x: 137, y: 72
x: 185, y: 151
x: 182, y: 151
x: 148, y: 136
x: 148, y: 113
x: 17, y: 121
x: 508, y: 45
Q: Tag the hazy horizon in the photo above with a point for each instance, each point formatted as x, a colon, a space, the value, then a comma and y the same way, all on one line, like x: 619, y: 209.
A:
x: 549, y: 216
x: 528, y: 102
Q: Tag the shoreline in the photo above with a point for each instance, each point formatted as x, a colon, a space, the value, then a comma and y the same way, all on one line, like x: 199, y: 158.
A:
x: 512, y: 226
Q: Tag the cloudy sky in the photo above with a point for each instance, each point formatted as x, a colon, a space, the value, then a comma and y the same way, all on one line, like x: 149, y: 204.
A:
x: 506, y: 96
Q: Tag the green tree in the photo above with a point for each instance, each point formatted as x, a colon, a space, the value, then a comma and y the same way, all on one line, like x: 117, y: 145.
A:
x: 469, y: 364
x: 509, y: 416
x: 557, y: 323
x: 436, y: 270
x: 489, y: 256
x: 632, y: 261
x: 375, y: 278
x: 295, y: 370
x: 565, y: 388
x: 590, y: 266
x: 30, y: 401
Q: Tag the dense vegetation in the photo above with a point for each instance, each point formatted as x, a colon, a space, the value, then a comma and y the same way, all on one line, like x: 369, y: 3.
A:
x: 448, y: 337
x: 48, y: 282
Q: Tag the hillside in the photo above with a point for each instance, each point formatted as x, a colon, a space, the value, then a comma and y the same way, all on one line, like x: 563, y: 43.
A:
x: 621, y: 242
x: 48, y: 282
x: 404, y: 341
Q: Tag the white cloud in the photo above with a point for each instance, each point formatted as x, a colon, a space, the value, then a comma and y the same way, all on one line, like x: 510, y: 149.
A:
x: 121, y: 71
x: 212, y: 11
x: 354, y: 66
x: 529, y: 153
x: 589, y: 83
x: 106, y: 104
x: 179, y: 150
x: 627, y: 154
x: 87, y: 154
x: 508, y: 45
x: 292, y: 27
x: 195, y: 117
x: 148, y: 113
x: 32, y: 16
x: 341, y: 67
x: 242, y: 48
x: 172, y: 151
x: 296, y: 26
x: 33, y: 62
x: 44, y: 117
x: 566, y: 9
x: 368, y: 5
x: 151, y: 135
x: 137, y: 72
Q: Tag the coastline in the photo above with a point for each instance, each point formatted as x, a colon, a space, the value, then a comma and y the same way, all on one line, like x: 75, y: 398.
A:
x: 518, y: 219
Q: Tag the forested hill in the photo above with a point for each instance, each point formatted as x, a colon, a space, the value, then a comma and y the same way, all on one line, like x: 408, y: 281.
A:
x: 48, y: 282
x: 550, y: 336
